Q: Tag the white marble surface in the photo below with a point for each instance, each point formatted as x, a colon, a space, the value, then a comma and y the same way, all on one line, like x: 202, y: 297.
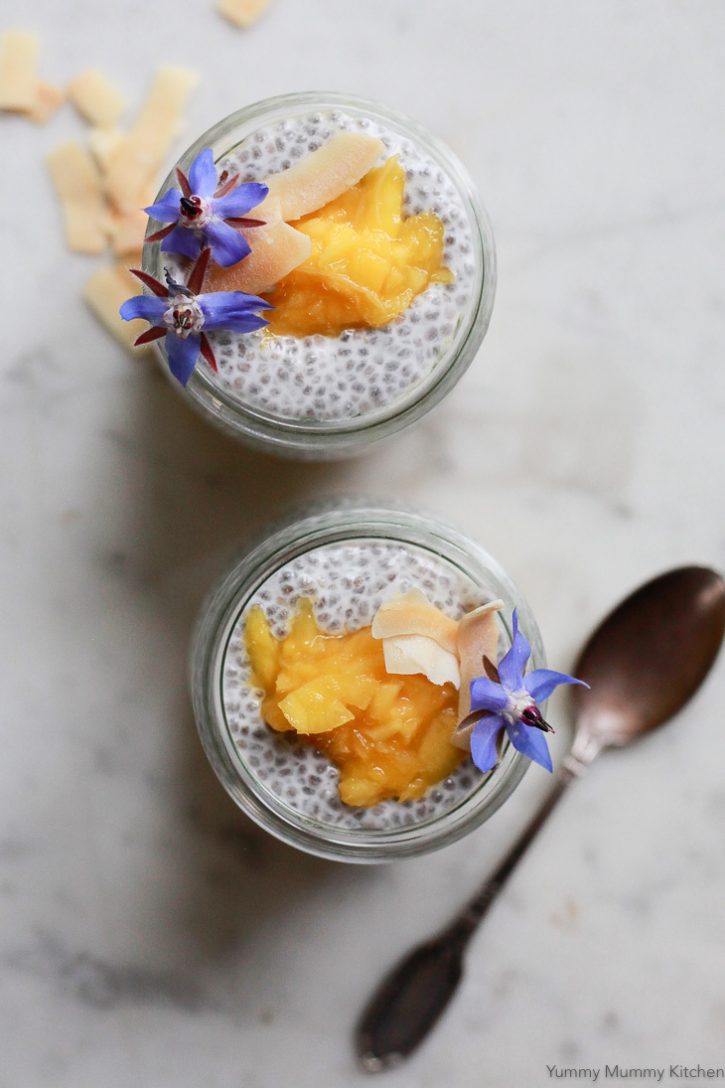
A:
x: 151, y: 937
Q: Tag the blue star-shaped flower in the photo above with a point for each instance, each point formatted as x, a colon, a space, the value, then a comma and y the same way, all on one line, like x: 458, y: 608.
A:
x: 178, y: 312
x: 202, y: 213
x: 511, y: 705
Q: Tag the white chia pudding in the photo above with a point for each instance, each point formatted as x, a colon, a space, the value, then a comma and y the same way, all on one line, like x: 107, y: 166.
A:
x: 347, y: 583
x: 362, y: 370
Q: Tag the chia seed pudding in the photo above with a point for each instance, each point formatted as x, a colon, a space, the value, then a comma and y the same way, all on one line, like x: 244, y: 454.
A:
x: 347, y: 560
x: 335, y: 379
x: 322, y: 396
x: 348, y: 583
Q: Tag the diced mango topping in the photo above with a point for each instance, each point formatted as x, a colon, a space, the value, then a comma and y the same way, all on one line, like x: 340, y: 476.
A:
x: 368, y: 262
x: 388, y: 735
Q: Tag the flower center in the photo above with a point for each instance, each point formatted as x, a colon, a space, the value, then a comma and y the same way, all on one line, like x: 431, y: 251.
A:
x: 521, y: 708
x: 194, y: 212
x: 184, y: 316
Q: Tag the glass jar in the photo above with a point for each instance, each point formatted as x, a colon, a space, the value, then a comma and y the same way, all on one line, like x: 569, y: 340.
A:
x: 281, y: 432
x: 214, y: 658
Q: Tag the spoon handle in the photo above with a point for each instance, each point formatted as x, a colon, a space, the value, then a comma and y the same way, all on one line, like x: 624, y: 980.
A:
x: 467, y: 921
x: 412, y: 997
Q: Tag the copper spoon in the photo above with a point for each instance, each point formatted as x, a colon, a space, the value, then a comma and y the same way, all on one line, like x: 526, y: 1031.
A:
x: 643, y: 662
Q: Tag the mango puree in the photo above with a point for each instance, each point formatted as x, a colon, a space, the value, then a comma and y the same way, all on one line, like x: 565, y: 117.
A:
x: 388, y: 735
x: 367, y: 262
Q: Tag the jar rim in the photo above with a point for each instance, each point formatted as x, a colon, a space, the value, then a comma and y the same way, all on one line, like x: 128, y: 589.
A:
x: 218, y: 619
x: 316, y: 437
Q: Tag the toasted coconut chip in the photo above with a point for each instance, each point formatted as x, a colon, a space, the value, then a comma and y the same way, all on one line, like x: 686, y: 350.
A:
x: 19, y: 50
x: 407, y: 655
x: 103, y: 143
x: 138, y: 157
x: 321, y: 176
x: 48, y: 100
x: 78, y: 184
x: 96, y: 98
x: 126, y: 231
x: 242, y: 12
x: 477, y: 638
x: 412, y: 613
x: 276, y: 249
x: 105, y: 292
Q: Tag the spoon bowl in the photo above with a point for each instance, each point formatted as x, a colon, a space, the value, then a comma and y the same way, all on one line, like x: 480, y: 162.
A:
x: 649, y: 655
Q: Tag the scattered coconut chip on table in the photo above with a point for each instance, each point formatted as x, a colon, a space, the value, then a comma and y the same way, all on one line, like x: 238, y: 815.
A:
x: 139, y: 155
x: 105, y: 292
x: 96, y: 98
x: 48, y: 100
x: 19, y: 50
x: 126, y: 231
x: 242, y: 12
x: 103, y: 143
x: 78, y: 184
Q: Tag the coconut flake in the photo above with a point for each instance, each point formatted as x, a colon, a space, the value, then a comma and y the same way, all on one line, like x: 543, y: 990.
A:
x: 408, y: 655
x: 477, y: 638
x: 78, y: 184
x: 242, y: 12
x: 105, y: 292
x: 19, y: 50
x: 412, y: 613
x: 139, y: 155
x: 96, y: 98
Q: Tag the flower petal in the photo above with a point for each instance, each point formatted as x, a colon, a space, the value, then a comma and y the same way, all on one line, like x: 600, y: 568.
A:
x: 183, y: 241
x: 228, y: 246
x: 202, y: 173
x: 167, y: 209
x: 240, y: 201
x: 246, y: 323
x: 541, y: 682
x: 487, y: 695
x: 512, y: 664
x: 182, y: 355
x: 220, y: 307
x: 483, y: 741
x: 148, y: 308
x: 531, y: 742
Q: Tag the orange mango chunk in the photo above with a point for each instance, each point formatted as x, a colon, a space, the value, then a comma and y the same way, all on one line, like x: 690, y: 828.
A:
x: 367, y: 261
x: 390, y: 737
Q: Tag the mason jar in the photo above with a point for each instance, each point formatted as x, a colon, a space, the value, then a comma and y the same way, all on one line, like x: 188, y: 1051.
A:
x: 320, y: 397
x: 346, y: 556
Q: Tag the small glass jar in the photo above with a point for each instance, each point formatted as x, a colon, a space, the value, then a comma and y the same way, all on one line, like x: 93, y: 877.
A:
x: 461, y: 333
x: 212, y: 660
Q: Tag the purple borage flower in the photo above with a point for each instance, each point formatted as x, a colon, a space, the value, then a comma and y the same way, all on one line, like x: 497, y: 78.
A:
x: 184, y: 317
x: 203, y: 213
x: 510, y: 703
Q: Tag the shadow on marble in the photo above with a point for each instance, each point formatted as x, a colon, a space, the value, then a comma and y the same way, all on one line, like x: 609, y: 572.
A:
x: 188, y: 498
